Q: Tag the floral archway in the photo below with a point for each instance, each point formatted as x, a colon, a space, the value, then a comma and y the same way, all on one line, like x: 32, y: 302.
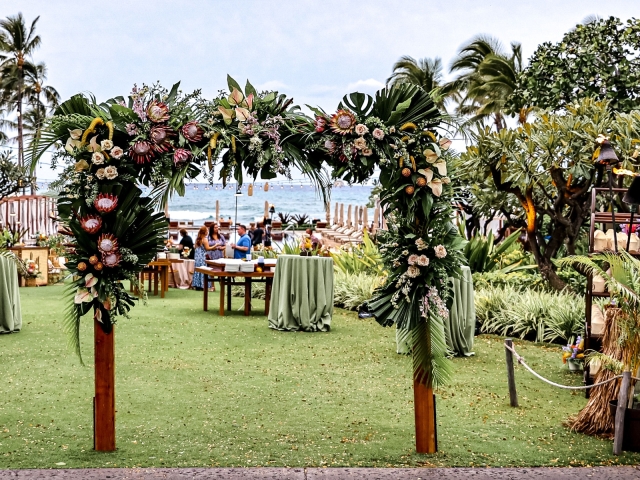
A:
x: 160, y: 138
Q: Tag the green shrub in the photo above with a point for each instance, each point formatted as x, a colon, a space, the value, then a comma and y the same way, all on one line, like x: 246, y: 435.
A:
x: 362, y: 258
x: 353, y: 289
x: 537, y: 315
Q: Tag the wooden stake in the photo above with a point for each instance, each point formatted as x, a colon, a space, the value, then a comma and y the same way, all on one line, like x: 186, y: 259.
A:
x: 104, y: 420
x: 620, y: 411
x: 425, y: 410
x: 511, y: 376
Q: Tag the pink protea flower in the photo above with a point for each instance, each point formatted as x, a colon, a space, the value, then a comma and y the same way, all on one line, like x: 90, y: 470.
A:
x: 181, y: 157
x: 142, y: 152
x: 91, y: 223
x: 160, y: 136
x: 192, y: 131
x: 107, y: 243
x: 343, y: 122
x: 320, y: 124
x: 105, y: 202
x: 157, y: 112
x: 111, y: 260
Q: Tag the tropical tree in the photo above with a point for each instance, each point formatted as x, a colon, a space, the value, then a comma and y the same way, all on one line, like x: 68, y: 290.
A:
x: 597, y: 59
x: 487, y: 76
x: 426, y: 73
x: 543, y: 173
x: 17, y: 44
x: 12, y: 177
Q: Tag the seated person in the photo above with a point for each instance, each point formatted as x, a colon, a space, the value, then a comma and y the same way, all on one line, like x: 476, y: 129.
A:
x: 186, y: 242
x: 316, y: 240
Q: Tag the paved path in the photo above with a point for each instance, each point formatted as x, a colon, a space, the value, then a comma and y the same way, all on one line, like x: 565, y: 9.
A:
x: 598, y: 473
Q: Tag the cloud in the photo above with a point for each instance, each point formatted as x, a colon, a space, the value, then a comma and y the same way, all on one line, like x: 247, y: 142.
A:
x: 271, y: 85
x: 369, y: 84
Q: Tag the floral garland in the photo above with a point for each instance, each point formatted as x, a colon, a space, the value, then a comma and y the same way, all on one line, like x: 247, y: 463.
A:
x: 159, y: 138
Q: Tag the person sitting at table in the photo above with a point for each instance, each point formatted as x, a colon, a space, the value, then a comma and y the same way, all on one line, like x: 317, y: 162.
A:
x: 186, y: 242
x: 217, y: 241
x: 202, y: 246
x: 243, y: 246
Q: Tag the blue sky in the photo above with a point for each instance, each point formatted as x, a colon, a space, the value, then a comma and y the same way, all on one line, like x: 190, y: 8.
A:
x: 315, y: 51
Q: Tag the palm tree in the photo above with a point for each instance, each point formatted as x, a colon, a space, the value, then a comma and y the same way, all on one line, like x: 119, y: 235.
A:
x: 17, y: 44
x: 424, y: 72
x: 487, y: 78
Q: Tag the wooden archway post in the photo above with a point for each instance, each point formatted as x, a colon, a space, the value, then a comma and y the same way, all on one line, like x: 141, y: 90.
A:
x: 104, y: 402
x: 424, y: 404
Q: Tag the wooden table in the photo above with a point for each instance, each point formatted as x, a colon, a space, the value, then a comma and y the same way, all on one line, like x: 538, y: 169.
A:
x: 227, y: 279
x: 163, y: 267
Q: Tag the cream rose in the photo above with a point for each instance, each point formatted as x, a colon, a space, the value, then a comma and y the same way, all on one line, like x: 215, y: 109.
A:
x: 367, y: 152
x: 100, y: 174
x: 423, y: 260
x: 413, y: 271
x: 117, y: 152
x: 361, y: 129
x: 378, y: 134
x: 97, y: 158
x: 360, y: 143
x: 110, y: 172
x: 441, y: 252
x: 106, y: 144
x: 413, y: 259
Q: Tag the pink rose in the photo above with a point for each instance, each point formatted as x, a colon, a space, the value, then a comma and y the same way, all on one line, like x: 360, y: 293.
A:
x: 378, y: 134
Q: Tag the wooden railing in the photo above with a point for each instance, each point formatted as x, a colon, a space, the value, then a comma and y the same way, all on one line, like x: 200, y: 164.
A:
x: 36, y: 213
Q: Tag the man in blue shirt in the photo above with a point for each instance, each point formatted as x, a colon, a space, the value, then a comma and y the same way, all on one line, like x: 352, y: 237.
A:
x: 244, y: 244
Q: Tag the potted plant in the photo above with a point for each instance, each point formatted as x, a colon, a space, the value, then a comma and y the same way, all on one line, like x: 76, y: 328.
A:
x: 573, y: 355
x: 621, y: 273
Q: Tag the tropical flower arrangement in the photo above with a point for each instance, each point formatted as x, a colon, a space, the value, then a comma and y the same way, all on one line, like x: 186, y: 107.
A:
x: 31, y: 269
x: 573, y: 351
x: 159, y: 138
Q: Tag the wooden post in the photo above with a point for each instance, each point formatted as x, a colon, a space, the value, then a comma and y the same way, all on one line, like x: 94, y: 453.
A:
x: 511, y: 376
x: 623, y: 398
x: 104, y: 421
x: 424, y: 404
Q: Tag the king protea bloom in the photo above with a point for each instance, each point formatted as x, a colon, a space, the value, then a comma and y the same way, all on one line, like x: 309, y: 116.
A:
x: 105, y: 202
x: 141, y: 152
x: 192, y: 131
x: 157, y: 112
x: 181, y: 156
x: 91, y: 223
x: 343, y: 122
x: 107, y: 243
x: 111, y: 260
x: 160, y: 136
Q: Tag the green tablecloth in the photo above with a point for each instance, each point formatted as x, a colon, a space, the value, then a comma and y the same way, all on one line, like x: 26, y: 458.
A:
x: 302, y: 294
x: 10, y: 313
x: 460, y: 326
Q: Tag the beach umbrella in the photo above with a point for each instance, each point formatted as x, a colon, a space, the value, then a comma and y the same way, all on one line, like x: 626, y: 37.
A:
x: 365, y: 218
x: 217, y: 210
x: 335, y: 214
x: 342, y: 214
x: 328, y: 217
x: 349, y: 223
x: 250, y: 190
x: 266, y: 209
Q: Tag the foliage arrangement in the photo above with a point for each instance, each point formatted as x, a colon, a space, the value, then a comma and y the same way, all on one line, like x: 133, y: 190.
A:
x: 596, y: 60
x: 483, y: 255
x: 546, y: 170
x: 160, y: 137
x: 12, y: 176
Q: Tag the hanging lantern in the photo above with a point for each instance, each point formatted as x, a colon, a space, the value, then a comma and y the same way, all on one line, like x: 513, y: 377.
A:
x: 266, y: 187
x: 250, y: 190
x: 606, y: 155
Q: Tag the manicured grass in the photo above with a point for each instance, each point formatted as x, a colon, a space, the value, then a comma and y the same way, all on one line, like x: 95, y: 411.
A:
x: 195, y: 389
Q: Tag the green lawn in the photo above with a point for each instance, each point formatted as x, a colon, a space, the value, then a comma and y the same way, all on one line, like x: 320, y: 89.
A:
x: 195, y: 389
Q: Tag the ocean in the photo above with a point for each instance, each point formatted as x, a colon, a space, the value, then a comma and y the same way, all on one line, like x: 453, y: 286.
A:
x: 199, y: 201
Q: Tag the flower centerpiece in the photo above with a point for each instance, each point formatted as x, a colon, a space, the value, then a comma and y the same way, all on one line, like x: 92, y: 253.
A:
x: 573, y: 354
x: 31, y: 272
x: 185, y: 252
x: 306, y: 247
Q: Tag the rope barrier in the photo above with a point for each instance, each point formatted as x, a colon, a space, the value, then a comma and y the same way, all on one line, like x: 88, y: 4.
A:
x: 534, y: 373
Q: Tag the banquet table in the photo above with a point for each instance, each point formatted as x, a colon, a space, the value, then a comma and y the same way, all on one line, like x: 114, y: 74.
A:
x: 182, y: 273
x: 302, y: 295
x: 10, y: 311
x: 459, y: 327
